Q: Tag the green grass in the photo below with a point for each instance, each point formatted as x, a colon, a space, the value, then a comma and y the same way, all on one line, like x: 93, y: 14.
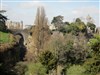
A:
x: 5, y: 37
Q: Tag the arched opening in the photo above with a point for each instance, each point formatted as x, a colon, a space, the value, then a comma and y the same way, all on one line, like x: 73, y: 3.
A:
x: 22, y: 48
x: 21, y: 40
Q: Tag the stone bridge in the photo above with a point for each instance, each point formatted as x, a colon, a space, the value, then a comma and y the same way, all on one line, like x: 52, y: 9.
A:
x: 24, y: 33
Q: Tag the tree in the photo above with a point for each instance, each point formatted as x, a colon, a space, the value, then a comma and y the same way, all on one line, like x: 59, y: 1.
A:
x: 76, y: 27
x: 80, y: 49
x: 93, y: 63
x: 67, y: 49
x: 91, y: 26
x: 35, y: 69
x: 57, y: 21
x: 54, y: 46
x: 90, y: 23
x: 81, y: 25
x: 40, y: 35
x: 78, y: 20
x: 2, y: 22
x: 94, y: 43
x: 59, y: 48
x: 41, y: 32
x: 48, y: 59
x: 72, y: 28
x: 2, y: 18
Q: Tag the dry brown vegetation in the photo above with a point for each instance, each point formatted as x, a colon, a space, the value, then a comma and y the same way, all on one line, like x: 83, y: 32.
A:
x: 40, y: 34
x: 10, y: 45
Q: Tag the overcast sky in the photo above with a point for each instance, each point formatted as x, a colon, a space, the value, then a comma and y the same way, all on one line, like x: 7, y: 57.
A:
x: 25, y: 10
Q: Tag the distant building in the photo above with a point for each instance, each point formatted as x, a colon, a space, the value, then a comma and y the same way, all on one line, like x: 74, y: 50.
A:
x: 52, y: 27
x: 27, y: 26
x: 14, y: 25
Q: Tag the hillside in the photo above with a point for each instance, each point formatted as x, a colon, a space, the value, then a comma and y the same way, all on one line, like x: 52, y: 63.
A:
x: 6, y: 37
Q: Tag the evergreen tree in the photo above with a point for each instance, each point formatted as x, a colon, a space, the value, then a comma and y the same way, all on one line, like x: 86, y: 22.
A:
x: 2, y: 22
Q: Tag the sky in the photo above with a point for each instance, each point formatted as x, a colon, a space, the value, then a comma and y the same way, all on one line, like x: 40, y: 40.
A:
x: 25, y: 10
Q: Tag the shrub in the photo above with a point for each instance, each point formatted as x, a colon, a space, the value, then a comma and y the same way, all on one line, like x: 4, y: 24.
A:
x: 35, y: 69
x: 76, y: 70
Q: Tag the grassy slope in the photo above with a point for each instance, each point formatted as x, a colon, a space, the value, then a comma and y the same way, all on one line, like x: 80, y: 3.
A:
x: 5, y: 37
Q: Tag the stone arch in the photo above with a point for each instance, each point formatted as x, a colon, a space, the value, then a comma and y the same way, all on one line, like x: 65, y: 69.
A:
x: 21, y: 40
x: 22, y: 47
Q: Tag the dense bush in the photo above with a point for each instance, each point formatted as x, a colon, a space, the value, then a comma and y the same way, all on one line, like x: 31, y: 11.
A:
x: 76, y: 70
x: 35, y: 69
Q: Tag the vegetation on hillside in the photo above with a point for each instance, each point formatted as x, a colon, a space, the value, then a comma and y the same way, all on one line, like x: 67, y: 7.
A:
x: 6, y: 37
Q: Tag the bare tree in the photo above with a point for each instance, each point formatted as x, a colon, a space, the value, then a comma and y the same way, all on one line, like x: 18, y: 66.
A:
x: 41, y: 31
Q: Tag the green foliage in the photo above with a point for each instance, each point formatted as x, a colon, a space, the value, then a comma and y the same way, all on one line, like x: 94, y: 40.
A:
x: 76, y: 70
x: 91, y: 26
x: 57, y: 21
x: 2, y: 22
x: 93, y: 63
x: 57, y: 49
x: 94, y: 43
x: 6, y: 37
x: 48, y: 60
x: 80, y: 25
x: 74, y: 27
x: 59, y: 46
x: 2, y: 26
x: 68, y: 49
x: 78, y: 20
x: 35, y: 69
x: 63, y: 29
x: 92, y: 66
x: 75, y: 49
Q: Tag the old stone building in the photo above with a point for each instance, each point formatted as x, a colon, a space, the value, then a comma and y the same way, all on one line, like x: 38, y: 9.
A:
x: 14, y: 25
